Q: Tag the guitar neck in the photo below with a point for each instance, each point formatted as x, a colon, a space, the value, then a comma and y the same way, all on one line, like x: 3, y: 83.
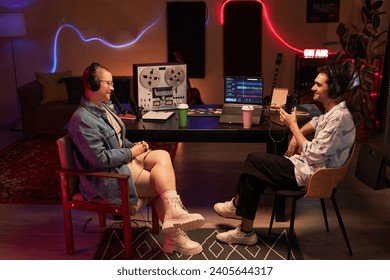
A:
x: 276, y: 73
x: 279, y: 58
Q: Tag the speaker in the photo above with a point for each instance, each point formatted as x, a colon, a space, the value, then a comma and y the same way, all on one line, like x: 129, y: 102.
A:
x: 371, y: 167
x: 186, y: 35
x: 93, y: 83
x: 242, y: 38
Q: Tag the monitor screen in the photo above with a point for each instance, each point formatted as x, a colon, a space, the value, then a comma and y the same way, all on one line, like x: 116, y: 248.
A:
x: 243, y: 90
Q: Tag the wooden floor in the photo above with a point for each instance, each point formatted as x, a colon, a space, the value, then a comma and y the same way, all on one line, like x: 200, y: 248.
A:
x: 206, y: 174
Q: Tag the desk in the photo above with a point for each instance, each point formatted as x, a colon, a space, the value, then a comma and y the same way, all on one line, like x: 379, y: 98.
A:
x: 208, y: 129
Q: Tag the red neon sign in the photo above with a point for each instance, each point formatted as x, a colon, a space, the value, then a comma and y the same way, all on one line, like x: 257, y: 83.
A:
x: 267, y: 21
x: 315, y: 53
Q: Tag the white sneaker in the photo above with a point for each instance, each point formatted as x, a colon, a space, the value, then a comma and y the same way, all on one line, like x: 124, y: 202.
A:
x: 236, y: 236
x: 176, y: 216
x: 179, y: 241
x: 226, y: 209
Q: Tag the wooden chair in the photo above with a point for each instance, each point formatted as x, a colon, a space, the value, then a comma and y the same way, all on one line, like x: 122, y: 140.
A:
x: 322, y: 185
x: 72, y: 198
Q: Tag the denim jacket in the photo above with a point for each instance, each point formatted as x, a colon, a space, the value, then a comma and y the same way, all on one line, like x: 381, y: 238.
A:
x: 96, y: 147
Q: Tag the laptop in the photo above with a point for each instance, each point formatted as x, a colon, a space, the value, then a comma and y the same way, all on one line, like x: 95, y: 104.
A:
x: 240, y: 91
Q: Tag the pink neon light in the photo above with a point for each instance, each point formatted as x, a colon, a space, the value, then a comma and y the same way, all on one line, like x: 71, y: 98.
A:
x: 268, y: 22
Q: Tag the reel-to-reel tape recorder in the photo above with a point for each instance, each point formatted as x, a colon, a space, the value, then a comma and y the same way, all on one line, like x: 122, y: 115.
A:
x: 160, y: 86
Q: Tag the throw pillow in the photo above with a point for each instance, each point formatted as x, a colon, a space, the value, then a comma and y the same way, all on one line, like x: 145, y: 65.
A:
x: 75, y: 89
x: 54, y: 88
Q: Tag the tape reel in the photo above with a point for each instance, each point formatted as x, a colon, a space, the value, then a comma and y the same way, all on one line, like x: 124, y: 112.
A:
x: 150, y: 77
x: 174, y: 76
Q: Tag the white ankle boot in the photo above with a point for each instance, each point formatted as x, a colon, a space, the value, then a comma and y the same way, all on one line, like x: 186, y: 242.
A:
x: 176, y: 216
x: 179, y: 241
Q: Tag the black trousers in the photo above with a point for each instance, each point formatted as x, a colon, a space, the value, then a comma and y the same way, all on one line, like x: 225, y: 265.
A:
x: 263, y: 170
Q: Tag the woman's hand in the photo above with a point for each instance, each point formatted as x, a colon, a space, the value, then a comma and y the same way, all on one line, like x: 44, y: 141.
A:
x: 139, y: 148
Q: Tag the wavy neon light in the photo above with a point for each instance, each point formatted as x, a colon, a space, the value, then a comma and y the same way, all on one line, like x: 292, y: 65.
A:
x: 267, y: 21
x: 84, y: 39
x: 115, y: 46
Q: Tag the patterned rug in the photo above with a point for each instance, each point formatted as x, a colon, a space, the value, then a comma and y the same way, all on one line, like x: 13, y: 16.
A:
x: 28, y: 170
x: 147, y: 246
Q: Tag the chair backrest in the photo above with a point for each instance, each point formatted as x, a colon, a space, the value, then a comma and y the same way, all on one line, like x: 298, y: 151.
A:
x: 65, y: 150
x: 324, y: 180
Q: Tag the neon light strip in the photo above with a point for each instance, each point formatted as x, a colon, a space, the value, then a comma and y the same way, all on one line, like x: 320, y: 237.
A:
x: 267, y: 21
x: 55, y: 45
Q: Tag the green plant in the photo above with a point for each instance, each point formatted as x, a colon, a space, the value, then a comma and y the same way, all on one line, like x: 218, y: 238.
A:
x: 361, y: 45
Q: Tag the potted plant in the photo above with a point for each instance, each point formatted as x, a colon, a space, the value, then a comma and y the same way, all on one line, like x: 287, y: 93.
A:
x: 361, y: 44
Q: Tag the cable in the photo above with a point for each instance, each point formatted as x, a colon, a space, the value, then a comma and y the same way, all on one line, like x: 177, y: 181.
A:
x: 270, y: 129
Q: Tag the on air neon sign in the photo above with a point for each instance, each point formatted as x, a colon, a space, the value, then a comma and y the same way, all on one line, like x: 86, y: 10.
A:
x: 315, y: 53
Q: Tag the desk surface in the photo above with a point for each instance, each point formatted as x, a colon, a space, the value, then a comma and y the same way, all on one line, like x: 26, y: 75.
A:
x: 209, y: 129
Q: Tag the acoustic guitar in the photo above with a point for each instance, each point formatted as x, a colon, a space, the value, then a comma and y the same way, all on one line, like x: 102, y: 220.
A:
x: 193, y: 94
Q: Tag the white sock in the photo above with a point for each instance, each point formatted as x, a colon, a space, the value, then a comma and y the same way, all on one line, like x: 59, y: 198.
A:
x: 169, y: 194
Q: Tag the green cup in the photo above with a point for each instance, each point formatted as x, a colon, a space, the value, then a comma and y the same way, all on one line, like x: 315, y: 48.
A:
x: 182, y: 110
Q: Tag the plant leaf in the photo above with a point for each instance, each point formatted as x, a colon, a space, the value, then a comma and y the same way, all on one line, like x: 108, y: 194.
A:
x: 367, y: 15
x: 368, y: 4
x: 341, y: 29
x: 376, y: 21
x: 377, y: 5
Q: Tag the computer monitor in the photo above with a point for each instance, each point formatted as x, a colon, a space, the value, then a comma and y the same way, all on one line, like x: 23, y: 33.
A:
x: 243, y: 90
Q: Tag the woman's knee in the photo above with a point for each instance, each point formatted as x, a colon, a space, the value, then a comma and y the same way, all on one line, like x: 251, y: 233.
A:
x: 163, y: 156
x: 160, y: 157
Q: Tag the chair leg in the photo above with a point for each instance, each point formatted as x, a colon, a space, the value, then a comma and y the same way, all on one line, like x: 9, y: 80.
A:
x: 102, y: 219
x: 68, y: 231
x: 127, y: 236
x: 291, y: 230
x: 273, y: 214
x: 155, y: 221
x: 336, y: 209
x: 324, y: 214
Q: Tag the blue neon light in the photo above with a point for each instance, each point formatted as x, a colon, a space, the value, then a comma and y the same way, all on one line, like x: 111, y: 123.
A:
x: 55, y: 45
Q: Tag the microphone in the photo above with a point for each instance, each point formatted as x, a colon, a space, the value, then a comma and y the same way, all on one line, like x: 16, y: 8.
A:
x: 136, y: 111
x: 115, y: 99
x: 303, y: 91
x: 290, y: 101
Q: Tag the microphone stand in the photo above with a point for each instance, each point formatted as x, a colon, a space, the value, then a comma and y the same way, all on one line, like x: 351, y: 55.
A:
x: 137, y: 111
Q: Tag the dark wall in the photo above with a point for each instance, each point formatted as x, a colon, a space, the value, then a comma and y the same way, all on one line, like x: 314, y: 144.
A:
x: 242, y: 38
x: 186, y: 34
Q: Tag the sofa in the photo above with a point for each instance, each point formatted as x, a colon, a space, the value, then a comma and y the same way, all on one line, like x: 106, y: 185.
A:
x: 48, y: 102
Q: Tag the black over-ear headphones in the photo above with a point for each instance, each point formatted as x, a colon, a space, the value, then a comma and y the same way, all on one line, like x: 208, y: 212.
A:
x: 334, y: 89
x: 92, y: 82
